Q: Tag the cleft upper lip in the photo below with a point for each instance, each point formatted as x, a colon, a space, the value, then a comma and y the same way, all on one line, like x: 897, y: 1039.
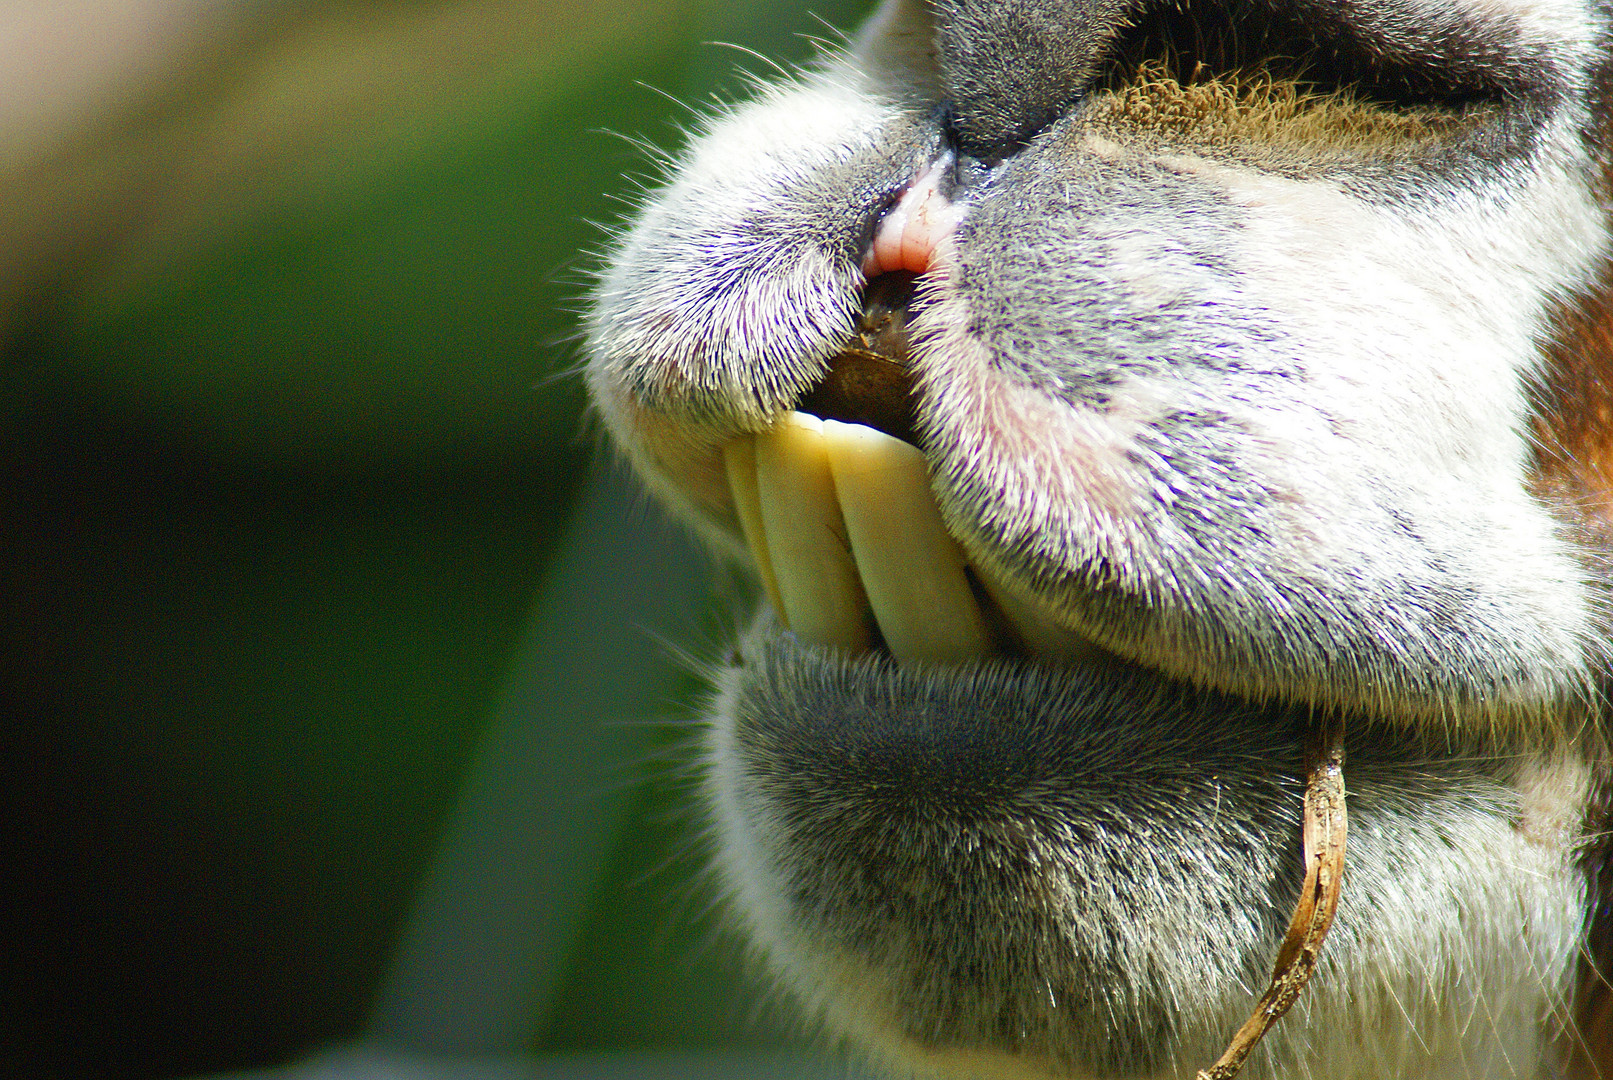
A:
x: 835, y: 500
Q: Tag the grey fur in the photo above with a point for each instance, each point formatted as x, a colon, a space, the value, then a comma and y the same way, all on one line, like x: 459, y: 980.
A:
x: 1240, y: 397
x: 1065, y: 864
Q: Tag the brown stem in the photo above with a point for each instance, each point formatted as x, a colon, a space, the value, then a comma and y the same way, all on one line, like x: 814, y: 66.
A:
x: 1318, y: 899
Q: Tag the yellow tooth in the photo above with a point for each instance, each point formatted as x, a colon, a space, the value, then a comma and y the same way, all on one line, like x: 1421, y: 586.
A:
x: 1040, y: 635
x: 740, y: 457
x: 820, y: 597
x: 912, y: 570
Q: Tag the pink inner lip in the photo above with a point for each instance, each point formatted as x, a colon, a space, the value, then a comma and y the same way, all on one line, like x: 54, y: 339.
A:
x: 910, y: 235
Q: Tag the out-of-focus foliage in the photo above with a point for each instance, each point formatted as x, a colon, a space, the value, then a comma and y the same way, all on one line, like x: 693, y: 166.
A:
x: 287, y: 437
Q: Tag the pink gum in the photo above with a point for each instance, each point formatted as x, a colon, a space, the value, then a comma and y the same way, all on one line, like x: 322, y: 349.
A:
x: 908, y: 236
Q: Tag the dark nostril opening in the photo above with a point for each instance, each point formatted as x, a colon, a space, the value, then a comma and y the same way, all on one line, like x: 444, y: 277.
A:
x: 969, y: 173
x: 994, y: 131
x: 1010, y: 69
x: 869, y: 381
x: 965, y: 144
x: 968, y: 142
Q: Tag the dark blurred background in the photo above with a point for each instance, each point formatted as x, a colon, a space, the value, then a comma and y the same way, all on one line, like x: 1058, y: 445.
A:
x: 290, y: 442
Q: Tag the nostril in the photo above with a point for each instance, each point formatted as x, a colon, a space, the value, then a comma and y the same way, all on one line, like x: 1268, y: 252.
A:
x: 1011, y: 68
x: 868, y: 381
x: 969, y: 173
x: 993, y: 130
x: 968, y: 167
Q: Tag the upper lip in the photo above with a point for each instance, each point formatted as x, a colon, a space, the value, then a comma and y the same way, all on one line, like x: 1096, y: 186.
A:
x: 837, y: 508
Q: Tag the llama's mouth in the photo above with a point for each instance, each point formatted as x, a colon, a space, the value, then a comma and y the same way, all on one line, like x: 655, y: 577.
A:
x: 837, y: 510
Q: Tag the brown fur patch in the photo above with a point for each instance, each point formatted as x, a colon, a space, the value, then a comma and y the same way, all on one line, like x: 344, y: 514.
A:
x: 1257, y: 110
x: 1574, y: 417
x: 1573, y: 431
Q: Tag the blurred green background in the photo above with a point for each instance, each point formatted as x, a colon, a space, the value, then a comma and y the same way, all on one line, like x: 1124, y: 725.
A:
x: 290, y: 432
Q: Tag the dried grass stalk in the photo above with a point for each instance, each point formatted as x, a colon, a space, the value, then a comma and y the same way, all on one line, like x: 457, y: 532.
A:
x: 1324, y: 831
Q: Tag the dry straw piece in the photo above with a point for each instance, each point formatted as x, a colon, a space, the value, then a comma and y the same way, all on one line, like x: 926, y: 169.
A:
x: 1324, y: 831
